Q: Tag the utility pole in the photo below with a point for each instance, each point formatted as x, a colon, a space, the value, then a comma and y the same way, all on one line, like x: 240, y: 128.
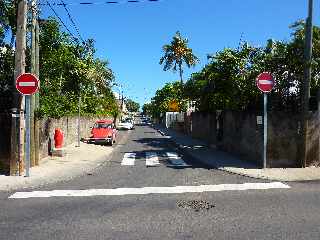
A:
x: 122, y: 101
x: 17, y: 126
x: 33, y: 71
x: 307, y: 78
x: 79, y: 116
x: 37, y: 103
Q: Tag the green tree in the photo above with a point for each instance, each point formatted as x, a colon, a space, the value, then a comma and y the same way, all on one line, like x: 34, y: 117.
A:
x: 132, y: 106
x: 147, y: 109
x: 228, y: 81
x: 68, y: 70
x: 8, y: 20
x: 7, y: 27
x: 176, y: 54
x: 171, y: 92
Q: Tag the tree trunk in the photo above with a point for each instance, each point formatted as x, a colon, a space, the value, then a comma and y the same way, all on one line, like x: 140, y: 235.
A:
x: 13, y: 37
x: 180, y: 72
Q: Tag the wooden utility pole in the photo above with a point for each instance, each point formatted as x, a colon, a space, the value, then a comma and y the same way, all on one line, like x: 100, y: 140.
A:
x: 37, y: 104
x: 306, y: 83
x: 17, y: 126
x: 33, y: 70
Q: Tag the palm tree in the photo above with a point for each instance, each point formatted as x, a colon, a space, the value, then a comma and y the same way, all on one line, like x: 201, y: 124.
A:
x: 176, y: 53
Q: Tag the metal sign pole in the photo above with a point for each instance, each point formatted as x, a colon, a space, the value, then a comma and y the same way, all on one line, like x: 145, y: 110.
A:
x: 27, y: 149
x: 265, y: 130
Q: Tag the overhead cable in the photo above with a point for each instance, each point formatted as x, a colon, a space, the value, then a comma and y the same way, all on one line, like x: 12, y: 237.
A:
x: 99, y: 3
x: 55, y: 13
x: 72, y: 21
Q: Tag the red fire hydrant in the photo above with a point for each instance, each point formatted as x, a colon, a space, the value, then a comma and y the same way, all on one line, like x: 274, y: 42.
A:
x: 58, y: 138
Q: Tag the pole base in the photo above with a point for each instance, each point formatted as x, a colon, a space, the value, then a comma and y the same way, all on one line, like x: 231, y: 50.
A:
x: 59, y: 152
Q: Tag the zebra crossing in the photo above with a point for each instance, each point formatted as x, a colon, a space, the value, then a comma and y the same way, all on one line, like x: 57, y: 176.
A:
x: 128, y: 159
x: 152, y: 159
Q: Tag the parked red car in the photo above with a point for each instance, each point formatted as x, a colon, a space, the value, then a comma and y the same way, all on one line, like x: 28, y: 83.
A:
x: 103, y: 131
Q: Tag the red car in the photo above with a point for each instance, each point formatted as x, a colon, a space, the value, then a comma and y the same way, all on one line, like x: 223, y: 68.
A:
x: 103, y: 131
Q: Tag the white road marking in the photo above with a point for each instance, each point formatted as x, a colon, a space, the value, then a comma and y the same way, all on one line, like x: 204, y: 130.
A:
x: 150, y: 190
x: 27, y: 84
x: 176, y: 160
x: 152, y: 159
x: 128, y: 159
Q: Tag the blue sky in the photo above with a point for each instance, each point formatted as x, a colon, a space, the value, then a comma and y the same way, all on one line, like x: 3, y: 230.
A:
x: 131, y: 35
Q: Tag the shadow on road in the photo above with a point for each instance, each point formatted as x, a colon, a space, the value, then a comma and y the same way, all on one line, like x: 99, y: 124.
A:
x: 161, y: 146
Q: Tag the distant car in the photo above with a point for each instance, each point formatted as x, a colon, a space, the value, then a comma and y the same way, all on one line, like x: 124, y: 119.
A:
x: 126, y: 124
x: 130, y: 120
x: 103, y: 131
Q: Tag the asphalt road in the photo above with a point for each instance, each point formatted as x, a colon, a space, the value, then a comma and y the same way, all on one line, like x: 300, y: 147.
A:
x: 249, y: 214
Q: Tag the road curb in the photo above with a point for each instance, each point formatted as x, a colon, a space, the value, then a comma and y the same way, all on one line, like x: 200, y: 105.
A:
x: 66, y: 174
x: 213, y: 165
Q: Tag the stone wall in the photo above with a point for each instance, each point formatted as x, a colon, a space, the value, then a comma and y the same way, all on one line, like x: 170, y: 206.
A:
x: 5, y: 133
x: 313, y: 147
x: 241, y: 135
x: 284, y: 140
x: 69, y: 126
x: 203, y: 126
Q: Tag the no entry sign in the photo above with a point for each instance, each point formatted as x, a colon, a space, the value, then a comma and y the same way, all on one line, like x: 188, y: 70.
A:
x: 27, y: 84
x: 265, y: 82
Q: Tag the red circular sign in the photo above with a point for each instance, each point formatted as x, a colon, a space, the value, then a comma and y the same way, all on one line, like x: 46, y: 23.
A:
x: 265, y: 82
x: 27, y: 84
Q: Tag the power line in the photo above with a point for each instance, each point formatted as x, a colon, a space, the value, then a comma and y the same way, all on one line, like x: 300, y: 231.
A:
x: 72, y: 21
x: 100, y: 3
x: 74, y: 38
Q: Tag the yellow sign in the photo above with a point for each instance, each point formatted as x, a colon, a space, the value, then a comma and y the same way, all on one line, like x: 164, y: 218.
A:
x: 174, y: 106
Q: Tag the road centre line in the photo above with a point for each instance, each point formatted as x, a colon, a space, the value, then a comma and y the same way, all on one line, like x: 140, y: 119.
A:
x: 149, y: 190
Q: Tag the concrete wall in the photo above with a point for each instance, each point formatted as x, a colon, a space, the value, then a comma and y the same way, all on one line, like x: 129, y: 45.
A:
x: 284, y: 140
x: 203, y: 126
x: 313, y: 158
x: 5, y: 133
x: 69, y: 126
x: 172, y: 118
x: 242, y: 136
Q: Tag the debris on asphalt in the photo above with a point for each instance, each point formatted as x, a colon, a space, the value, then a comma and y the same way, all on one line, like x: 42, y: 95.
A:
x: 196, y: 205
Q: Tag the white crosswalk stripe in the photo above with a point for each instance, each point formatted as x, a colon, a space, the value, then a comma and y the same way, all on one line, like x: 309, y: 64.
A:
x: 128, y: 159
x: 149, y: 190
x: 176, y: 160
x: 152, y: 159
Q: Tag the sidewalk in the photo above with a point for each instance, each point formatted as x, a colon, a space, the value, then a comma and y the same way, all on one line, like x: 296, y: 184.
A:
x: 78, y: 161
x: 229, y: 163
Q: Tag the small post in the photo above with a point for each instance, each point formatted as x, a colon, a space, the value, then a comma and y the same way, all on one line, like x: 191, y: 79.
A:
x: 27, y: 146
x: 265, y: 129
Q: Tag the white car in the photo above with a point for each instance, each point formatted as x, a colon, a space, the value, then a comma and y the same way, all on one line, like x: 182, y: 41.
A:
x: 125, y: 125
